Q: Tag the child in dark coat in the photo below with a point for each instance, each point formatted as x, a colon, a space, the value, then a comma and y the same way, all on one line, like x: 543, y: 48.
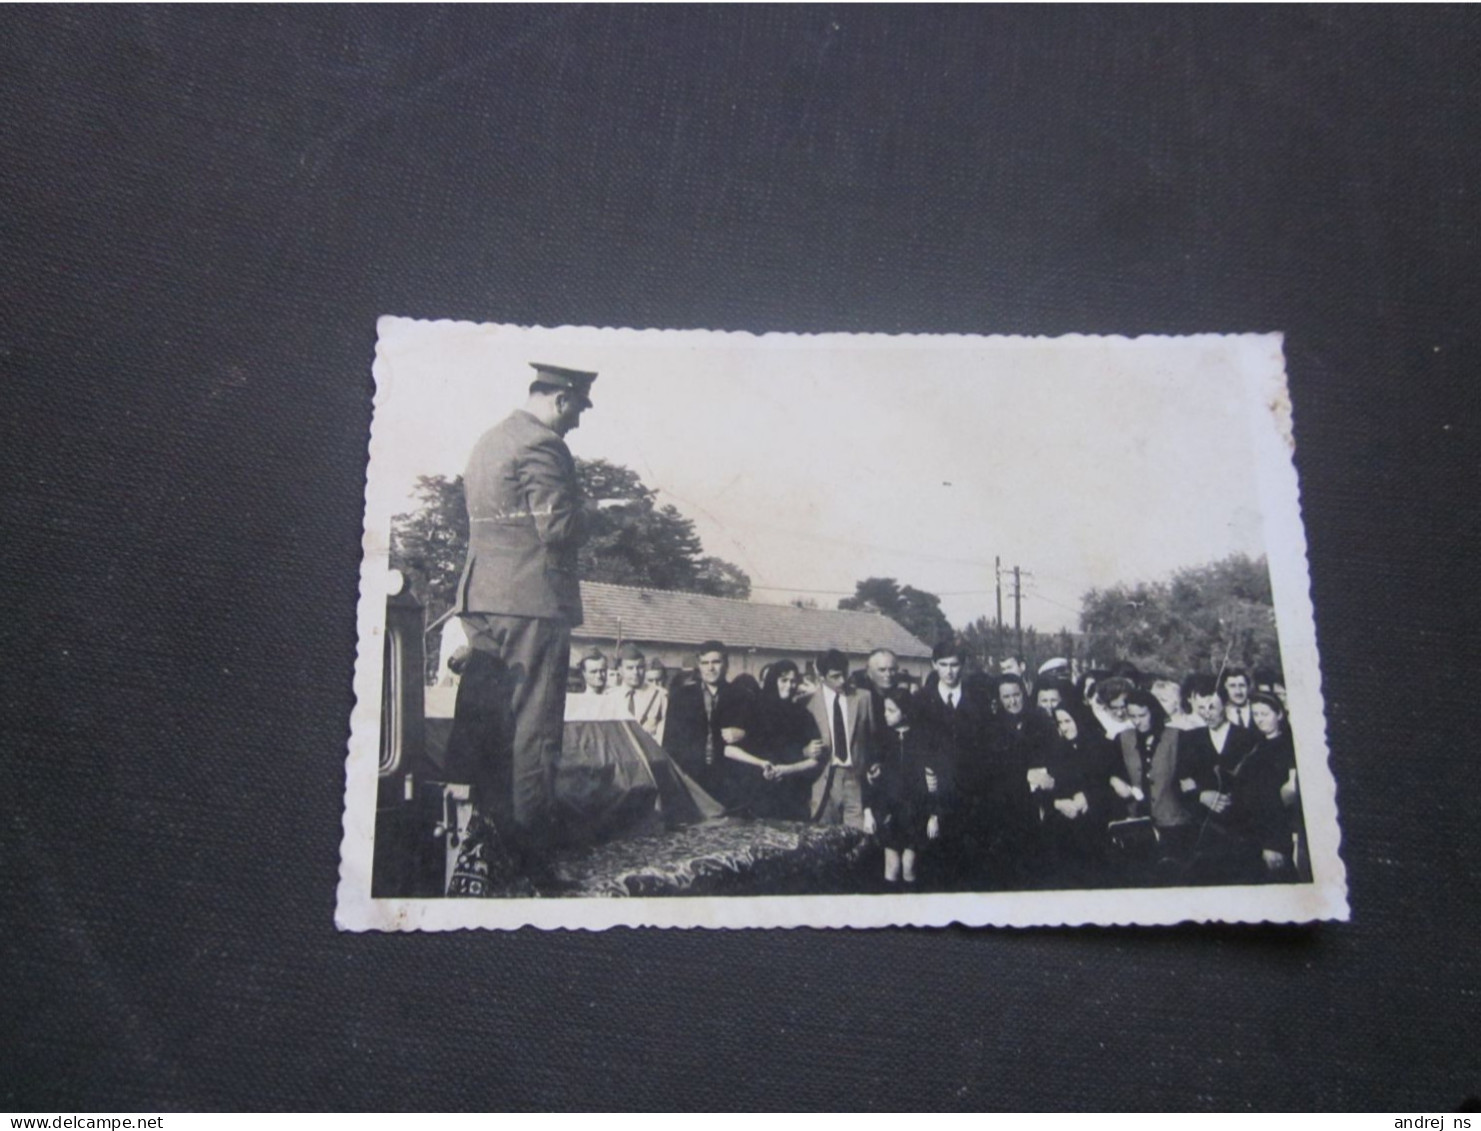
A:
x: 901, y: 792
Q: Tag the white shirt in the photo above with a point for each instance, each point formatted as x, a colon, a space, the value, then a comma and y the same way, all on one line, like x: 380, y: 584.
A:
x: 829, y: 697
x: 647, y: 704
x: 951, y: 696
x: 1239, y: 715
x: 1109, y: 722
x: 585, y: 708
x: 1219, y: 735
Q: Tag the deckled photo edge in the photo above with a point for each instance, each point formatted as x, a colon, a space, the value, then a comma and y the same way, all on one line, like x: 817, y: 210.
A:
x: 1272, y: 417
x: 354, y: 909
x: 1323, y: 899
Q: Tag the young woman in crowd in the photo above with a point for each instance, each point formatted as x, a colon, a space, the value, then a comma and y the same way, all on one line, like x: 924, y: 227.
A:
x: 1170, y: 695
x: 1263, y: 796
x: 902, y: 792
x: 775, y: 767
x: 1108, y: 705
x: 1146, y: 782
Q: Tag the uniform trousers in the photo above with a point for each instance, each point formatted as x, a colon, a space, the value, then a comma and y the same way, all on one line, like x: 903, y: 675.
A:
x: 509, y: 719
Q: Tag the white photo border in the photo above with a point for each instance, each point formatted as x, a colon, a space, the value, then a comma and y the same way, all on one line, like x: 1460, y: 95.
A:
x: 1259, y: 358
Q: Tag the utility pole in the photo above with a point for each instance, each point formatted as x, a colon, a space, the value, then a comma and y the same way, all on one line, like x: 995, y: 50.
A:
x: 997, y: 565
x: 1017, y: 611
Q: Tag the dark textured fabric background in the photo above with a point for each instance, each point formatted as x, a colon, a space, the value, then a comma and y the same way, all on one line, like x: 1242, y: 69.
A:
x: 204, y: 211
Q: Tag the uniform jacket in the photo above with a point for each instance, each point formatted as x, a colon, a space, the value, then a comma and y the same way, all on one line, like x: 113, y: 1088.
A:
x: 858, y: 717
x: 526, y: 521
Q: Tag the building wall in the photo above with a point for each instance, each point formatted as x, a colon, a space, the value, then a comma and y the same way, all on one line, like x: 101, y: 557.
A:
x: 749, y: 661
x: 675, y: 657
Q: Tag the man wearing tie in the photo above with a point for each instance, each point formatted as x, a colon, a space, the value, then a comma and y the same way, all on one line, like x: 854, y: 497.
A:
x: 846, y: 722
x: 1236, y: 687
x: 704, y: 718
x: 646, y: 703
x: 956, y: 715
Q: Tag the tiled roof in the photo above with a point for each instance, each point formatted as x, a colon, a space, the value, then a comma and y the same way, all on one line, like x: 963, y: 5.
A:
x: 659, y: 616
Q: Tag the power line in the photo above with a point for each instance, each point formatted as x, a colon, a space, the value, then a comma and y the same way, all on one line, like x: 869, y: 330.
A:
x: 813, y: 536
x: 850, y: 592
x: 1039, y: 595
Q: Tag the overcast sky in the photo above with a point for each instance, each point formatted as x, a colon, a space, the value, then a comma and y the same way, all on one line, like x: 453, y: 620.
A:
x: 813, y: 462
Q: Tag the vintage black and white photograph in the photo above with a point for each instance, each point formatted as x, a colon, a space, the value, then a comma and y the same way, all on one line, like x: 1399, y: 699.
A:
x: 698, y: 628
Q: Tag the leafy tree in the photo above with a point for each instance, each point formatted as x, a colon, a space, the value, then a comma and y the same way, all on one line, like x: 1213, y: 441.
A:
x: 1201, y: 619
x: 985, y: 643
x: 601, y: 479
x: 915, y: 610
x: 430, y: 543
x: 642, y: 544
x: 648, y: 545
x: 1032, y: 647
x: 720, y: 578
x: 1065, y: 646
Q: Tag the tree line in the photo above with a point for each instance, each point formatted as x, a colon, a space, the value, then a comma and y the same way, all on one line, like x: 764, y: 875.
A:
x: 643, y: 544
x: 1201, y: 618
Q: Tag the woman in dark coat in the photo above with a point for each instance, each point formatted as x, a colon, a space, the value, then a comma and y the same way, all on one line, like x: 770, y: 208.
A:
x: 1262, y: 792
x: 1075, y: 800
x: 782, y: 749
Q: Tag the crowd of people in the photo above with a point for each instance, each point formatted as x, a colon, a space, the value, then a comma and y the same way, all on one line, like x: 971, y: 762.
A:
x: 976, y: 780
x: 987, y: 780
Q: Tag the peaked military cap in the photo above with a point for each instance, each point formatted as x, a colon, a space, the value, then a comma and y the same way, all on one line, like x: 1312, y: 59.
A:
x: 577, y: 380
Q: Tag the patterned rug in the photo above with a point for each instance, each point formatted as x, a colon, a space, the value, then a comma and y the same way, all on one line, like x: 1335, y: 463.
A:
x: 728, y: 856
x: 724, y: 856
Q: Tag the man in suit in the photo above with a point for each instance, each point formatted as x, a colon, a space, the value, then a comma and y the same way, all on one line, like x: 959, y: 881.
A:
x: 877, y: 679
x: 1210, y: 750
x: 518, y: 599
x: 1207, y: 759
x: 955, y: 713
x: 1236, y: 688
x: 704, y: 717
x: 845, y: 719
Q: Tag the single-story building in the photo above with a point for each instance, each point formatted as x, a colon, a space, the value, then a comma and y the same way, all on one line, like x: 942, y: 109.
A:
x: 668, y: 625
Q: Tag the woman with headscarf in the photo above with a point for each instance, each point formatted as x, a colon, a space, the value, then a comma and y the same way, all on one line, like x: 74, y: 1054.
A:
x: 1075, y: 801
x: 774, y: 769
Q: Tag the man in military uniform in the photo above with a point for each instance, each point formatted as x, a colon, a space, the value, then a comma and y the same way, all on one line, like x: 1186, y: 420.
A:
x: 519, y: 598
